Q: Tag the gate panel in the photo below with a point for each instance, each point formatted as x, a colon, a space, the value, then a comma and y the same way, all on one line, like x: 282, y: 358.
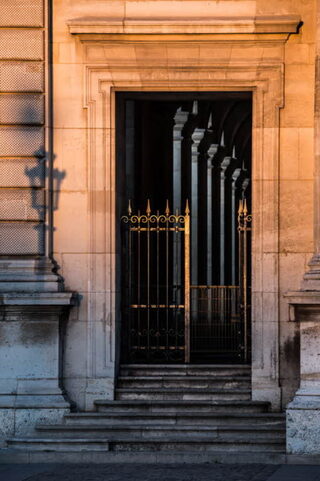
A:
x: 165, y: 319
x: 154, y: 313
x: 216, y: 323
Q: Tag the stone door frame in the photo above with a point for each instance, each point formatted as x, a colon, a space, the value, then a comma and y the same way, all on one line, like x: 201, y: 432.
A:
x: 266, y: 84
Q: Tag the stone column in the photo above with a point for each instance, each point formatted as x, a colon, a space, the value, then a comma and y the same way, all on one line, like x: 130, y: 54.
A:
x: 312, y: 276
x: 303, y: 413
x: 234, y: 231
x: 180, y: 120
x: 197, y: 136
x: 224, y: 165
x: 211, y: 153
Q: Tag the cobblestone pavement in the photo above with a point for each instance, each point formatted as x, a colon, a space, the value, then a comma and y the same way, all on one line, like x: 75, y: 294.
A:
x: 140, y: 472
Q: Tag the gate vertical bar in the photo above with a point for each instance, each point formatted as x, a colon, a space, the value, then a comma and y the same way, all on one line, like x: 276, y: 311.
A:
x: 148, y: 213
x: 241, y: 264
x: 167, y: 213
x: 244, y: 220
x: 187, y: 283
x: 130, y: 315
x: 245, y: 280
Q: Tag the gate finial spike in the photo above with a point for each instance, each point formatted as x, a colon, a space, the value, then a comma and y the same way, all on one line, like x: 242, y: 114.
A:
x: 167, y: 211
x: 245, y: 208
x: 240, y: 210
x: 148, y: 210
x: 129, y: 208
x: 187, y: 210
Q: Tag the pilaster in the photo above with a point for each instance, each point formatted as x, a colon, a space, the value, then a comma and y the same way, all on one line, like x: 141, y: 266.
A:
x: 33, y: 306
x: 303, y: 413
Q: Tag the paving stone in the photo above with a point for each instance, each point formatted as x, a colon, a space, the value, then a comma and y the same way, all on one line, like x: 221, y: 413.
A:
x: 296, y: 473
x: 137, y: 472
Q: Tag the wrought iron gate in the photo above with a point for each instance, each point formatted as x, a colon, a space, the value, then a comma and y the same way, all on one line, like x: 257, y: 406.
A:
x: 156, y: 297
x: 165, y: 319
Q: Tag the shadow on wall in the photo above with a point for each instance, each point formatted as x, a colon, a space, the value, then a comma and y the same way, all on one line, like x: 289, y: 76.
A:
x: 45, y: 181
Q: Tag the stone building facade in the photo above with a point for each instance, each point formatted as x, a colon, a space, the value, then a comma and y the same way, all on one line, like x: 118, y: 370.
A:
x: 62, y: 64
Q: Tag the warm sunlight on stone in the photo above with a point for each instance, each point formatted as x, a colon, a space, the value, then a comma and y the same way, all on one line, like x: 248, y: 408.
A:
x: 159, y: 227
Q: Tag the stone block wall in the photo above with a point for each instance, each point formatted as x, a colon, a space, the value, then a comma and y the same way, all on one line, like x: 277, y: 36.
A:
x: 23, y: 90
x: 85, y: 249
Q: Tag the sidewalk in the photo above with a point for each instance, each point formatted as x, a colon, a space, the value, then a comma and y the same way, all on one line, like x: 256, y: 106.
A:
x: 138, y: 472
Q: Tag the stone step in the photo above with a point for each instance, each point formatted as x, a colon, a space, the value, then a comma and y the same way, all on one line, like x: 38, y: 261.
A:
x: 170, y: 444
x: 127, y: 431
x: 10, y: 455
x: 60, y: 445
x: 186, y: 418
x: 181, y: 407
x: 212, y: 370
x: 187, y: 394
x: 201, y: 382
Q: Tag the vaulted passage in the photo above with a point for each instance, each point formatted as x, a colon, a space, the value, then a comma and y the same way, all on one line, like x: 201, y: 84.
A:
x: 184, y: 203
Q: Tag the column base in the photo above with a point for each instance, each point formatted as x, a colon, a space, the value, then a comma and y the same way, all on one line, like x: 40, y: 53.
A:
x: 20, y: 414
x: 29, y: 275
x: 269, y: 392
x: 303, y: 424
x: 311, y: 279
x: 102, y: 388
x: 31, y: 330
x: 303, y: 412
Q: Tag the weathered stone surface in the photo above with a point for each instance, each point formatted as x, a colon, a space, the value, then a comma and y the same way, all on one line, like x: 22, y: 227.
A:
x: 303, y: 412
x: 278, y: 69
x: 303, y: 430
x: 30, y: 326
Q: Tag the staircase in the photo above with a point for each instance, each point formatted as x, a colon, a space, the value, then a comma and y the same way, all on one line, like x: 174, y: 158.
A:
x: 169, y: 409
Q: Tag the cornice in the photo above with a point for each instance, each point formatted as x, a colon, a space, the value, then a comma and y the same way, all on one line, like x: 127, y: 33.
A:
x: 275, y: 24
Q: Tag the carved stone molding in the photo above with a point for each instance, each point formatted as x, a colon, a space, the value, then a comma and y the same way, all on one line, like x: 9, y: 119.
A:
x: 274, y: 24
x: 102, y: 81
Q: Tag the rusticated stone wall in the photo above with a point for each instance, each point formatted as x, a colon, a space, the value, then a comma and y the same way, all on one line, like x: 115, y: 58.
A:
x: 23, y: 92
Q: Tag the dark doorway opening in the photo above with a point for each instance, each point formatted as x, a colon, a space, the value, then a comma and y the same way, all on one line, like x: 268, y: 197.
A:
x: 173, y: 149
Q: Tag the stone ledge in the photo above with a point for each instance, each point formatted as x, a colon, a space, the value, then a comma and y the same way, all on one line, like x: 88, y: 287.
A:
x: 37, y: 299
x: 29, y: 275
x: 284, y: 24
x: 303, y: 305
x: 35, y: 401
